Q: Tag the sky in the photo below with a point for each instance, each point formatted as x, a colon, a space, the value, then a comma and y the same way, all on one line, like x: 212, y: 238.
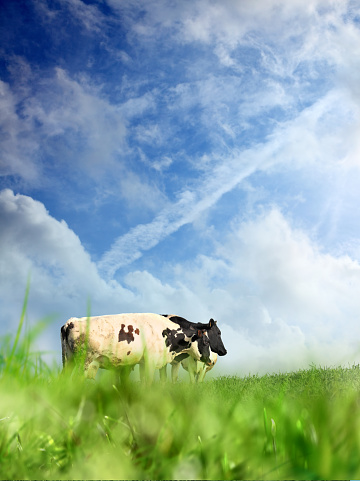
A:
x: 193, y: 157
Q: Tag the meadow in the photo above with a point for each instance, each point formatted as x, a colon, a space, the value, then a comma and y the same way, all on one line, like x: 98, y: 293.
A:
x: 300, y: 425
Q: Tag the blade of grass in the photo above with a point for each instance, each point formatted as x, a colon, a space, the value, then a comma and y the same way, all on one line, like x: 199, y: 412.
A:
x: 21, y: 322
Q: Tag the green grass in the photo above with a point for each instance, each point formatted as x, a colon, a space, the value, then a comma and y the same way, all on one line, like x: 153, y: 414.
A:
x: 301, y: 425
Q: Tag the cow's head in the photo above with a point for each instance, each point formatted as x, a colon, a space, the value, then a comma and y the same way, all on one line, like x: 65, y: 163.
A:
x: 214, y: 335
x: 203, y: 346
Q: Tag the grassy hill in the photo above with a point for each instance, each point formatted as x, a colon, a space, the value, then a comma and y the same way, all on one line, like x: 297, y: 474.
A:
x: 301, y: 425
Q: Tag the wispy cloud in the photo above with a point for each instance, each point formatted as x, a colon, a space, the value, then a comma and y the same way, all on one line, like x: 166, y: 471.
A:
x: 190, y: 204
x: 311, y: 137
x: 17, y: 145
x: 87, y: 16
x: 60, y: 123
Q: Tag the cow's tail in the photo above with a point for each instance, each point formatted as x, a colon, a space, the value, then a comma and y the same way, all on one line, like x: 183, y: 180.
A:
x: 63, y: 347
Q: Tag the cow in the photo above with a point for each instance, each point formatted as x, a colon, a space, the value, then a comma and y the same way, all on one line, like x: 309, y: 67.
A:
x: 212, y: 331
x: 124, y: 340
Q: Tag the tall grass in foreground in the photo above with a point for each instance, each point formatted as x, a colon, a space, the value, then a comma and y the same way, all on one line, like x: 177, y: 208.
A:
x: 303, y: 425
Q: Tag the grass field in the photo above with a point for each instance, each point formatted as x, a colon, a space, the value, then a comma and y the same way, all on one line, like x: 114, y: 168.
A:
x: 301, y: 425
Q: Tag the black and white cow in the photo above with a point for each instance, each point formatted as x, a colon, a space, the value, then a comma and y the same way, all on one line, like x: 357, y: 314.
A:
x: 216, y: 345
x: 124, y: 340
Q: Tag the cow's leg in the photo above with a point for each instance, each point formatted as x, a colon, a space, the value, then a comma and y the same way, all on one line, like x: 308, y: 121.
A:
x: 201, y: 374
x: 175, y: 371
x: 142, y: 372
x: 150, y: 373
x: 124, y: 373
x: 192, y: 376
x: 147, y: 372
x: 163, y: 373
x: 91, y: 369
x: 192, y: 370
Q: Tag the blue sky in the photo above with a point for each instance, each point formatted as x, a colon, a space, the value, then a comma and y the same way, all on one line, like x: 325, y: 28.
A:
x: 196, y: 157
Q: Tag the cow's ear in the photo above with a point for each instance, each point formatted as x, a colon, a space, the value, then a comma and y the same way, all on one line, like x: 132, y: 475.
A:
x: 211, y: 322
x: 195, y: 337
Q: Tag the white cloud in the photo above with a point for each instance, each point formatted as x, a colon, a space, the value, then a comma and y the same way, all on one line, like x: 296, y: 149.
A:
x: 71, y: 127
x: 16, y: 144
x: 90, y: 129
x: 162, y: 164
x: 285, y: 273
x: 227, y: 24
x: 63, y: 277
x: 90, y: 125
x: 87, y: 16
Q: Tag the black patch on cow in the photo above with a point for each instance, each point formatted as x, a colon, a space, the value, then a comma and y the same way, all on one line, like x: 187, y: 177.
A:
x: 180, y: 320
x: 175, y: 340
x: 65, y: 330
x: 126, y: 336
x: 128, y: 353
x: 137, y: 331
x: 180, y: 357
